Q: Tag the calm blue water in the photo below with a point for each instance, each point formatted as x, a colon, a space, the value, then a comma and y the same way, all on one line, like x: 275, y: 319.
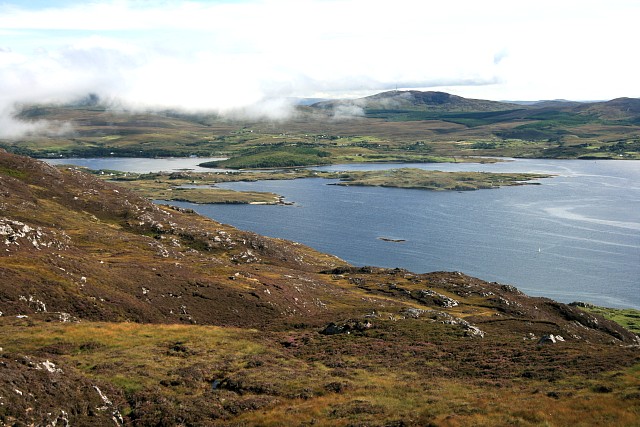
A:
x: 139, y: 165
x: 575, y: 237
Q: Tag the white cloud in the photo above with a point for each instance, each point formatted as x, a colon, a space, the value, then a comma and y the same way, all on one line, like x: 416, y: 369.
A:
x: 242, y: 56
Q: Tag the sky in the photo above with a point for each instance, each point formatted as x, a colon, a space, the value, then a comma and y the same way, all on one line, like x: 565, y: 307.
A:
x: 255, y: 55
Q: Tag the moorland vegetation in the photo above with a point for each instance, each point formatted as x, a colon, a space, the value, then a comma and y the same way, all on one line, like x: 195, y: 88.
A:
x: 116, y: 310
x: 119, y: 311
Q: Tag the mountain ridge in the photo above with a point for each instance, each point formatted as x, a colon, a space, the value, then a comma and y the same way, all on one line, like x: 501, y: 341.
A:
x: 400, y: 126
x: 443, y: 101
x: 401, y: 99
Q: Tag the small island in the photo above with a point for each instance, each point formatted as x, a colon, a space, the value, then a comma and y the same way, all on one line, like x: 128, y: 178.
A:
x: 436, y: 180
x: 200, y: 187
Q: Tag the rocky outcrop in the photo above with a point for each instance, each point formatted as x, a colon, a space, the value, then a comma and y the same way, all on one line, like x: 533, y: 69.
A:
x: 550, y: 339
x: 15, y: 234
x: 346, y: 327
x: 431, y: 297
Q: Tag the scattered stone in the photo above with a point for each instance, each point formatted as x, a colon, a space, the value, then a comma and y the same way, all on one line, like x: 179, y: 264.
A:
x: 436, y: 298
x: 511, y: 288
x: 17, y: 232
x: 414, y: 313
x: 581, y: 304
x: 116, y: 416
x: 472, y: 331
x: 550, y: 339
x: 50, y: 367
x: 333, y: 329
x: 63, y: 420
x: 34, y: 303
x: 346, y: 328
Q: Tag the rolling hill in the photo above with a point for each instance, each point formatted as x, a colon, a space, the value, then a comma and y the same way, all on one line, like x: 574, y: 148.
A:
x: 394, y: 126
x: 418, y: 100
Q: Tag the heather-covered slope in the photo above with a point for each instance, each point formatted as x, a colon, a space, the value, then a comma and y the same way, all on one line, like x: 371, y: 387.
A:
x: 115, y: 310
x: 96, y: 251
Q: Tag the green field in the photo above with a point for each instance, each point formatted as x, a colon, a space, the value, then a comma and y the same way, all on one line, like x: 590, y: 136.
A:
x: 426, y: 127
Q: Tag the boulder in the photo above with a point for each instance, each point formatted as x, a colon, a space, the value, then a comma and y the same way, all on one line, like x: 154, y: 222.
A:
x: 550, y: 339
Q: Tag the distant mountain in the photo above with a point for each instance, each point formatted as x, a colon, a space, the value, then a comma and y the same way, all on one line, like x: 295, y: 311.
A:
x: 560, y: 129
x: 307, y: 101
x: 548, y: 103
x: 418, y: 100
x: 616, y: 109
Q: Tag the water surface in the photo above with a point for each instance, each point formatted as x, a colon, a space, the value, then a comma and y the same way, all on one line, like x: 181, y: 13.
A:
x: 139, y: 165
x: 574, y: 237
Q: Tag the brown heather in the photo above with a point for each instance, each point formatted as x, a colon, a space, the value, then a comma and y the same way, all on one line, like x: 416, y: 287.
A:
x: 118, y: 311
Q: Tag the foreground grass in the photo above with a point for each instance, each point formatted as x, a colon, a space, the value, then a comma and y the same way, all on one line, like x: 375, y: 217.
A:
x: 229, y: 376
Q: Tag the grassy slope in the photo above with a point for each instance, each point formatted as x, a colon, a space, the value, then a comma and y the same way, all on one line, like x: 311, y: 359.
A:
x: 274, y: 157
x: 627, y: 317
x: 163, y: 303
x: 397, y: 372
x: 395, y: 133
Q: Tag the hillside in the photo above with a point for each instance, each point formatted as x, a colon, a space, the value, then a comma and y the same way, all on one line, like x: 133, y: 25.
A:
x: 116, y: 310
x: 395, y: 126
x: 616, y: 109
x: 418, y: 100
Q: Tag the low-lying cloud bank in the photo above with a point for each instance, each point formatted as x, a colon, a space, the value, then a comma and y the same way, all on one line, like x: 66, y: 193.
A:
x: 136, y: 78
x: 245, y: 57
x: 250, y: 56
